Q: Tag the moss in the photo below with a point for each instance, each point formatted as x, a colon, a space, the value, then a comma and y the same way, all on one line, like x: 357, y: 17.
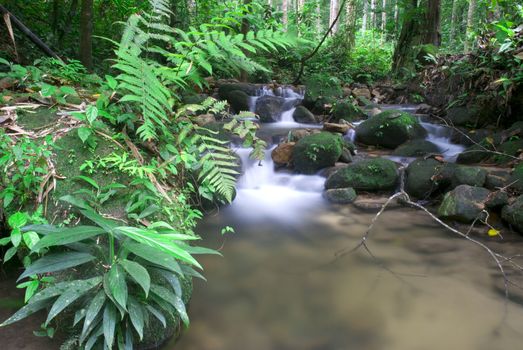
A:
x: 317, y: 151
x: 344, y: 110
x: 367, y: 175
x: 39, y: 118
x: 517, y: 178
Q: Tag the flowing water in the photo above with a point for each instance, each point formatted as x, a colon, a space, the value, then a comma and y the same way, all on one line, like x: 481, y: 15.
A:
x: 281, y: 286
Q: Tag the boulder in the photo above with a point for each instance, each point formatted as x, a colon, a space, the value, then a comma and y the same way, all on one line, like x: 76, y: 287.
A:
x: 343, y: 110
x: 497, y: 179
x: 317, y: 151
x: 269, y: 108
x: 465, y: 203
x: 513, y: 214
x: 516, y: 179
x: 464, y: 116
x: 416, y: 148
x: 374, y: 111
x: 340, y: 195
x: 205, y: 119
x: 361, y: 92
x: 426, y: 177
x: 282, y: 154
x: 346, y: 156
x: 474, y: 154
x: 497, y: 199
x: 338, y: 128
x: 372, y: 175
x: 303, y: 115
x: 225, y: 88
x: 389, y: 129
x: 469, y: 175
x: 238, y: 100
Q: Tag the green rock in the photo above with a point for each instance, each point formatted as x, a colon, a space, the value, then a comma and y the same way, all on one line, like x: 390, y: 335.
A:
x: 497, y: 179
x: 469, y: 175
x: 426, y: 177
x: 317, y: 151
x: 303, y: 115
x: 513, y: 214
x: 511, y: 149
x: 516, y: 179
x: 344, y: 110
x: 465, y: 203
x: 416, y: 148
x: 464, y: 116
x: 497, y: 199
x: 371, y: 175
x: 340, y: 195
x: 39, y: 118
x: 225, y: 89
x: 238, y: 100
x: 389, y: 129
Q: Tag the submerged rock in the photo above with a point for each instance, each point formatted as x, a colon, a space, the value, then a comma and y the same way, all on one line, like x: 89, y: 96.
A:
x: 303, y: 115
x: 370, y: 175
x: 269, y: 108
x: 513, y: 214
x: 465, y: 203
x: 416, y: 148
x: 317, y: 151
x: 340, y: 195
x: 389, y: 129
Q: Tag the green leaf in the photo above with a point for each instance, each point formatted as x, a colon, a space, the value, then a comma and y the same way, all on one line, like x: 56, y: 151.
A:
x: 67, y: 236
x: 70, y: 296
x: 138, y: 273
x: 16, y: 237
x: 17, y: 220
x: 156, y: 313
x: 111, y: 82
x: 91, y: 112
x: 56, y: 262
x: 154, y: 256
x: 30, y: 239
x: 93, y: 310
x: 84, y: 133
x: 26, y: 311
x: 9, y: 254
x: 173, y: 300
x: 94, y: 338
x: 115, y: 280
x: 47, y: 90
x: 68, y: 90
x: 136, y: 315
x: 106, y: 224
x: 109, y: 324
x: 75, y: 201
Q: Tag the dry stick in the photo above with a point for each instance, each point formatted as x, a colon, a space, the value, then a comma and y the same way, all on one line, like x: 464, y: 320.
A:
x: 306, y: 58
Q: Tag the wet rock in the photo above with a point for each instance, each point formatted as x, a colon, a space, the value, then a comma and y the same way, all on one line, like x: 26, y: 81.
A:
x: 513, y: 214
x: 511, y: 149
x: 238, y: 100
x: 340, y: 195
x: 225, y: 88
x: 205, y: 119
x: 194, y: 99
x: 346, y: 156
x: 371, y: 203
x: 370, y: 175
x: 362, y: 92
x: 344, y: 110
x: 474, y: 154
x: 303, y: 115
x: 464, y: 116
x: 282, y: 154
x: 389, y: 129
x: 465, y: 203
x: 338, y: 128
x: 469, y: 175
x: 416, y: 148
x: 516, y: 179
x: 497, y: 179
x: 466, y: 137
x: 424, y: 109
x: 426, y: 177
x: 297, y: 134
x: 317, y: 151
x: 269, y: 108
x: 497, y: 199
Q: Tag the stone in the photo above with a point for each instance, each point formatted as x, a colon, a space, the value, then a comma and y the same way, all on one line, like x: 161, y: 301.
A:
x: 497, y: 199
x: 298, y: 134
x: 340, y: 195
x: 513, y: 214
x: 269, y: 108
x: 416, y: 148
x: 346, y: 156
x: 303, y: 115
x: 465, y: 204
x: 225, y: 88
x: 282, y: 154
x: 347, y: 111
x: 374, y: 111
x: 516, y: 179
x: 205, y: 119
x: 464, y: 116
x: 372, y: 175
x: 469, y: 175
x: 426, y: 177
x: 361, y: 92
x: 317, y: 151
x: 338, y: 128
x: 238, y: 100
x: 389, y: 129
x: 497, y: 179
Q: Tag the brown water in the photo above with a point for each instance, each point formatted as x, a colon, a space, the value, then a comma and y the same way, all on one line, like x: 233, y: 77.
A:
x: 278, y: 288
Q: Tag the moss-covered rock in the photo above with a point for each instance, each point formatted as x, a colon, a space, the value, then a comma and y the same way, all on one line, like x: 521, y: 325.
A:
x: 464, y: 203
x: 340, y: 195
x: 464, y: 116
x: 303, y: 115
x: 426, y: 177
x: 344, y: 110
x: 416, y: 148
x: 513, y: 214
x: 39, y: 118
x: 317, y: 151
x: 225, y: 88
x: 389, y: 129
x: 372, y: 175
x: 469, y: 175
x: 516, y: 179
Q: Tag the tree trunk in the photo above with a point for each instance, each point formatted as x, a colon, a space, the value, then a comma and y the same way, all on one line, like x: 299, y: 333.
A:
x: 334, y: 8
x: 453, y: 22
x: 285, y: 10
x: 384, y: 16
x: 364, y: 20
x: 432, y: 23
x: 244, y: 31
x: 410, y: 37
x: 396, y: 18
x: 350, y: 23
x: 373, y: 14
x: 470, y: 24
x: 86, y: 34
